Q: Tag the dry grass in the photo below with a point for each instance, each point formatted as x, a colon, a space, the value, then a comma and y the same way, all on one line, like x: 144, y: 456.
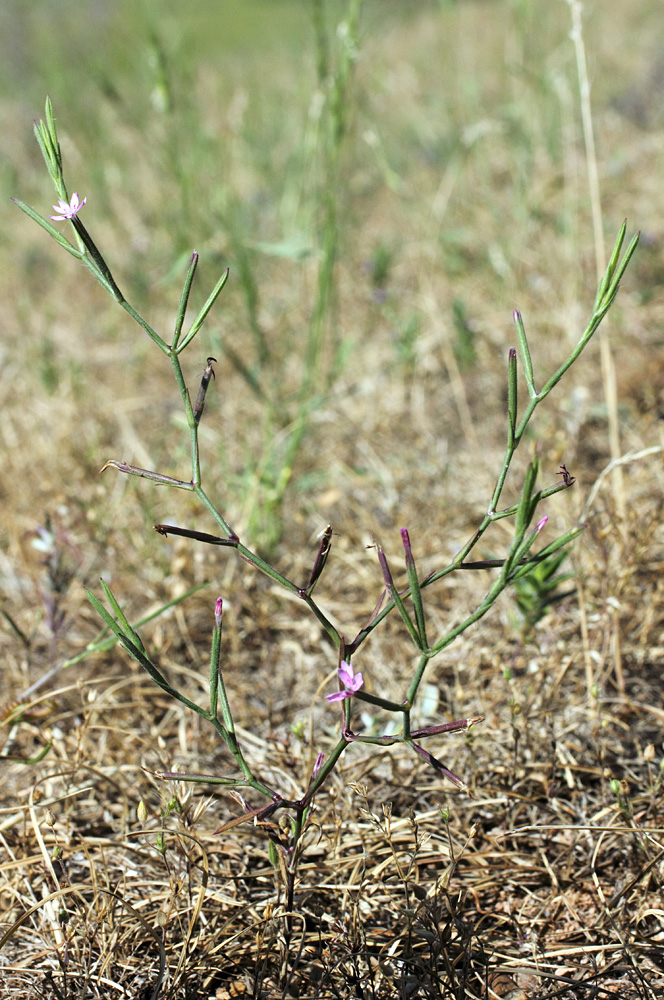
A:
x: 548, y: 882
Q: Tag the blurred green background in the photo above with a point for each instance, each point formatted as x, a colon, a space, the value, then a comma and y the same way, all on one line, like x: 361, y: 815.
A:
x: 382, y: 215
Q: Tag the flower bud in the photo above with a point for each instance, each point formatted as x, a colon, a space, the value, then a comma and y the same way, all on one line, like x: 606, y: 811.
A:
x: 202, y: 392
x: 405, y: 538
x: 319, y: 763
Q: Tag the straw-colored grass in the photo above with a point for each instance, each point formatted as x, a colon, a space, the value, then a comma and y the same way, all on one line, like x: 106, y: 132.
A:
x: 464, y: 168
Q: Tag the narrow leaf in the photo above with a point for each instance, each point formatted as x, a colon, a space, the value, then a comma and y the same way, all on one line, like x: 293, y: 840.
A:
x: 617, y: 277
x: 127, y: 630
x: 134, y: 470
x: 49, y: 227
x: 523, y: 513
x: 210, y: 779
x: 184, y: 298
x: 52, y: 134
x: 511, y: 398
x: 610, y: 268
x: 415, y: 589
x: 398, y: 601
x: 525, y: 353
x: 200, y: 319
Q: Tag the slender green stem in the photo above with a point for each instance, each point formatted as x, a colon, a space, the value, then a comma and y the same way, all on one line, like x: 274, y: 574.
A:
x: 195, y: 450
x: 152, y: 334
x: 181, y: 384
x: 207, y: 503
x: 296, y: 833
x: 231, y: 742
x: 100, y: 266
x: 325, y: 622
x: 326, y: 768
x: 225, y: 706
x: 419, y: 673
x: 378, y: 741
x: 374, y: 699
x: 543, y: 495
x: 478, y: 613
x: 192, y: 423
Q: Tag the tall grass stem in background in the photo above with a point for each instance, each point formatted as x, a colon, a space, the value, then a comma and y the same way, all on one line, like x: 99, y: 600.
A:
x: 606, y: 354
x: 286, y: 841
x: 286, y: 420
x: 334, y: 83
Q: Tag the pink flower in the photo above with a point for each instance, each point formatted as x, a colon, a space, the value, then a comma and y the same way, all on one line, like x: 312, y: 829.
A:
x: 351, y: 683
x: 218, y: 611
x: 68, y: 210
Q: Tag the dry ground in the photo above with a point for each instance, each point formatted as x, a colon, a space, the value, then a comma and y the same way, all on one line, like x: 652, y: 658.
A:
x: 547, y: 882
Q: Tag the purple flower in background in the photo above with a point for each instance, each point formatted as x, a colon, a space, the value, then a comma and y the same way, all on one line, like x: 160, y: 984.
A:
x: 68, y: 210
x: 351, y: 683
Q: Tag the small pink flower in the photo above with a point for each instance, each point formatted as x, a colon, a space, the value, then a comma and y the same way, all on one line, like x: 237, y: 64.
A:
x: 351, y: 683
x: 540, y: 524
x: 68, y: 210
x: 218, y: 610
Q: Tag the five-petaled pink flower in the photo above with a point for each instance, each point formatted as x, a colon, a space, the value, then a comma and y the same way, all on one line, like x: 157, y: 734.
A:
x: 351, y: 683
x: 68, y: 209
